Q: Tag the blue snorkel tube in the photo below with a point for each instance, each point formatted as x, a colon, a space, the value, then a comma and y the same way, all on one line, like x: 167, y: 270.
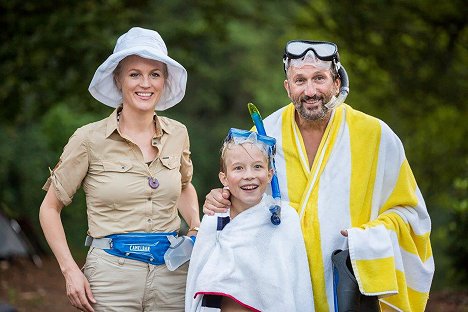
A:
x: 275, y: 209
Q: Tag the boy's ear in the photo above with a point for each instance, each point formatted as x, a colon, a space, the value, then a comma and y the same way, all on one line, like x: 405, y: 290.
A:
x: 270, y: 174
x: 223, y: 178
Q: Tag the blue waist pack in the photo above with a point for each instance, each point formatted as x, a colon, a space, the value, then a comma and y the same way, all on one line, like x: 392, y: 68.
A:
x: 146, y: 247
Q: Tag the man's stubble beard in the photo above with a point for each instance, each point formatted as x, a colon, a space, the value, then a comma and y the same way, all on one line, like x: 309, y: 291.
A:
x: 312, y: 115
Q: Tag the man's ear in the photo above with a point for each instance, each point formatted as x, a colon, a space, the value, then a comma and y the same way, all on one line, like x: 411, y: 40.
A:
x: 338, y: 85
x: 223, y: 179
x: 286, y: 86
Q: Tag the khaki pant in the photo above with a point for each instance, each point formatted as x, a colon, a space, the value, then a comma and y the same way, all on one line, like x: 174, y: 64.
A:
x: 120, y: 284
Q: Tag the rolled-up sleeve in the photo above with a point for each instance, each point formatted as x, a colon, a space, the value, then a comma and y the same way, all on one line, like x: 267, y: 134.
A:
x: 68, y: 174
x: 186, y: 166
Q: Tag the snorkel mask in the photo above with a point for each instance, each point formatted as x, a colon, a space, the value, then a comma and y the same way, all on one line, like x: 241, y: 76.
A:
x: 319, y: 54
x: 265, y: 143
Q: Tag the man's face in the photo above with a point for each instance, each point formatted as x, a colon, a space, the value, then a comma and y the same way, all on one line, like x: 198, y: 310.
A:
x: 310, y: 88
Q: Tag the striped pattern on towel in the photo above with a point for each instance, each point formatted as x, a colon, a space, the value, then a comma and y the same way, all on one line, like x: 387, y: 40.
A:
x: 360, y: 180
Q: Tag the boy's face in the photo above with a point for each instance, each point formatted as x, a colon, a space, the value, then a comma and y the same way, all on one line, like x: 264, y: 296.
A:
x: 247, y: 174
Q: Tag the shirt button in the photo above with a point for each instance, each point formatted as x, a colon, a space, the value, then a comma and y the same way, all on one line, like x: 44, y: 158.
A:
x: 149, y: 198
x: 149, y: 220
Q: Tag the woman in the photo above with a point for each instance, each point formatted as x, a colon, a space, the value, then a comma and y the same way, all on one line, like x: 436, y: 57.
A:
x: 136, y: 172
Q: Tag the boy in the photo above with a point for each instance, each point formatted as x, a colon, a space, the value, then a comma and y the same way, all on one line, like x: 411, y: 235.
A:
x: 243, y: 262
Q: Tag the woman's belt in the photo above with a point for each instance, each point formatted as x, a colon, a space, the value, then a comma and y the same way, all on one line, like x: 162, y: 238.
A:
x: 146, y: 247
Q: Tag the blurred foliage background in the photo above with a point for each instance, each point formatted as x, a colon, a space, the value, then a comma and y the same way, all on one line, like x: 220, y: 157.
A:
x: 407, y: 63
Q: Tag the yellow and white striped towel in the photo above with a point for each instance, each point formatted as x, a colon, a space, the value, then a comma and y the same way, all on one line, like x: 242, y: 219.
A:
x: 360, y: 180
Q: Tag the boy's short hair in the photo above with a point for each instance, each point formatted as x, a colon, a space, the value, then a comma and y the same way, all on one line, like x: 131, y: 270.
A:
x: 238, y: 137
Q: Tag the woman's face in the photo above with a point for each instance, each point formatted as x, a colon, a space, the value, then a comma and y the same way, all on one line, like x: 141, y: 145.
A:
x: 141, y: 81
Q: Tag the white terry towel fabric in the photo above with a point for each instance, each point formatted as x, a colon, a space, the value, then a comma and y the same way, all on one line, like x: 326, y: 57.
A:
x: 260, y: 265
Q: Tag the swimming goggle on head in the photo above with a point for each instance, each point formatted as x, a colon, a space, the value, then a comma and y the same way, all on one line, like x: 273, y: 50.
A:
x: 299, y: 52
x: 326, y: 51
x: 265, y: 143
x: 323, y: 52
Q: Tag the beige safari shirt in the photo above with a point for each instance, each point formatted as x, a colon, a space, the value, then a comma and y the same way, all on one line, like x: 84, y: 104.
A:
x: 115, y: 177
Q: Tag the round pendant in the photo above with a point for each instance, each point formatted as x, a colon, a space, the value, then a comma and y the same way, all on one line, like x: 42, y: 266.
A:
x: 153, y: 183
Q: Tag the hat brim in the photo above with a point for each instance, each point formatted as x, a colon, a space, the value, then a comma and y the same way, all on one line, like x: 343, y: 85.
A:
x: 103, y: 88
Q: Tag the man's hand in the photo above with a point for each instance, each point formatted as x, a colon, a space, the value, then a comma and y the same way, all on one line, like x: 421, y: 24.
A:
x: 217, y: 201
x: 78, y: 290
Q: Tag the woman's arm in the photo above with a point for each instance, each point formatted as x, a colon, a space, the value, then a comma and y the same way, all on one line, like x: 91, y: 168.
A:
x: 78, y: 289
x: 188, y: 207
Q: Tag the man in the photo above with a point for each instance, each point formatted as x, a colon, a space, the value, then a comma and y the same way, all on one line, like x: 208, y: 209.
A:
x: 347, y: 176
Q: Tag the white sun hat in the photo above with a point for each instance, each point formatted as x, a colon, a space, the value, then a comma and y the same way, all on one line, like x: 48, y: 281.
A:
x: 147, y: 44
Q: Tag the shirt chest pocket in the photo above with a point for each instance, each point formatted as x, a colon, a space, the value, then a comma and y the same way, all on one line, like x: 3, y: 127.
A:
x: 114, y: 184
x: 116, y: 166
x: 170, y: 162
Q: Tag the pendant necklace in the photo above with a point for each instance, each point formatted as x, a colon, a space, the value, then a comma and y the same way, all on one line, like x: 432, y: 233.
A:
x: 153, y: 183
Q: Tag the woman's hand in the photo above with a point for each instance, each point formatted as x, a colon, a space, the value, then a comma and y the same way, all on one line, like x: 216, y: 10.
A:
x: 217, y: 201
x: 78, y: 290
